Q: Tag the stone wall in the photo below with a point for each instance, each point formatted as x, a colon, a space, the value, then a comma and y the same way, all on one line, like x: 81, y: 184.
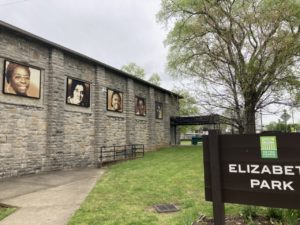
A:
x: 47, y: 134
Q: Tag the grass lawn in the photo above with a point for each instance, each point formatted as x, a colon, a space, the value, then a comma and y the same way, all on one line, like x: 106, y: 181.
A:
x: 4, y: 212
x: 189, y: 143
x: 126, y: 193
x: 186, y: 142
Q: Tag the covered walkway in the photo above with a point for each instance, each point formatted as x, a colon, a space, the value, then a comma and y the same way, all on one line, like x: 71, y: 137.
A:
x: 214, y: 120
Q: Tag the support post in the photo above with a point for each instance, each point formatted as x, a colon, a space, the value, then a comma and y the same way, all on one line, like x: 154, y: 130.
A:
x: 218, y: 205
x: 175, y: 134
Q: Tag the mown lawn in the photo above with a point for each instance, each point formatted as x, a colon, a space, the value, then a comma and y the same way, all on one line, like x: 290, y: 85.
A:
x: 189, y: 143
x: 4, y: 212
x: 185, y: 142
x: 127, y: 192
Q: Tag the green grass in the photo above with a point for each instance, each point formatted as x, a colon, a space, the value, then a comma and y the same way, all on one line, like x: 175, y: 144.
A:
x: 187, y: 143
x: 4, y: 212
x: 126, y: 193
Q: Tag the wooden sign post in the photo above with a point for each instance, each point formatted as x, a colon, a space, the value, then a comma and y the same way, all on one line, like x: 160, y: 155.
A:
x: 218, y: 205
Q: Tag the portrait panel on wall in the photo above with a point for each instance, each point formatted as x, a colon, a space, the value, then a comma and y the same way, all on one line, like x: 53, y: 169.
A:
x: 140, y: 106
x: 158, y: 110
x: 78, y: 92
x: 21, y: 80
x: 114, y: 100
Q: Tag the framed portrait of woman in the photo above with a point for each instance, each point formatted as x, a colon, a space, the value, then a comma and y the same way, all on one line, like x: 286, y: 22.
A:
x: 140, y: 106
x: 78, y: 92
x: 114, y: 100
x: 21, y: 80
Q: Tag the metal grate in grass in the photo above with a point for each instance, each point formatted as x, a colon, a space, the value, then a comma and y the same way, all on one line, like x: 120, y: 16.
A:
x: 166, y: 208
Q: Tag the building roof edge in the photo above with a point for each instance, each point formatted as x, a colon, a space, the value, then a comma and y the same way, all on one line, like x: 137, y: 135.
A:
x: 80, y: 55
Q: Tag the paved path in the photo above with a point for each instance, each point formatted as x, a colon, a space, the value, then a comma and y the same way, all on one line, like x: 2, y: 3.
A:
x: 47, y: 199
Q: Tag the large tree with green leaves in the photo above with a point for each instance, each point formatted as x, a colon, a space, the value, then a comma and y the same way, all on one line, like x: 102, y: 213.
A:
x: 155, y: 79
x: 243, y: 52
x: 188, y: 106
x: 139, y: 72
x: 134, y: 69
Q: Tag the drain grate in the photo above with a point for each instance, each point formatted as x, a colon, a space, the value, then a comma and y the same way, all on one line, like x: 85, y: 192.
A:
x: 166, y: 208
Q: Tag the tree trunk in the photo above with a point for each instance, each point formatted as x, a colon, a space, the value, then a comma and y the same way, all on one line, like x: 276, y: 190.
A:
x: 250, y: 121
x: 241, y: 129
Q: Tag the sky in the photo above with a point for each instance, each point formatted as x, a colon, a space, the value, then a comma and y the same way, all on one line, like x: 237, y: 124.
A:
x: 115, y: 32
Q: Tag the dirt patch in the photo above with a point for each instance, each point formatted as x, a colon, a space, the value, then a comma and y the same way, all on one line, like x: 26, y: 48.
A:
x: 234, y: 221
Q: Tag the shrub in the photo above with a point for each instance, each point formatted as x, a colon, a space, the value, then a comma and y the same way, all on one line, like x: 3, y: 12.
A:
x: 249, y: 213
x: 291, y: 217
x: 275, y: 213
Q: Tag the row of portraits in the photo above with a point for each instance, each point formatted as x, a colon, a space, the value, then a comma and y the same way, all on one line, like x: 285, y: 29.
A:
x: 23, y: 80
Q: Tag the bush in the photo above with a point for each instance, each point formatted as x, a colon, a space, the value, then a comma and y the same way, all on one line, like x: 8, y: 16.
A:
x: 249, y: 213
x: 291, y: 217
x: 275, y: 213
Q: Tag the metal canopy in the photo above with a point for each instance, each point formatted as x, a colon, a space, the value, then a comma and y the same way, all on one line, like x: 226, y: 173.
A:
x: 213, y: 119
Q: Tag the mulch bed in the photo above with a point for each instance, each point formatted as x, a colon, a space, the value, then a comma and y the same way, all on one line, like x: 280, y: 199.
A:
x: 233, y: 221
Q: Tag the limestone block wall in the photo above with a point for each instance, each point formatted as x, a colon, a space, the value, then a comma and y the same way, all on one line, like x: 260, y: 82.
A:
x: 46, y: 133
x: 23, y: 129
x: 141, y: 125
x: 115, y: 129
x: 159, y: 123
x: 78, y: 122
x: 173, y: 108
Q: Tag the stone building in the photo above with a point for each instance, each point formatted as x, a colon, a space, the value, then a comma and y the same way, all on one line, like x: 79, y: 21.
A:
x: 44, y: 130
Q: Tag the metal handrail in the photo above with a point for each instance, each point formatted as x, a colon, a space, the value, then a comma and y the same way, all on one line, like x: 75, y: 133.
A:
x: 121, y: 152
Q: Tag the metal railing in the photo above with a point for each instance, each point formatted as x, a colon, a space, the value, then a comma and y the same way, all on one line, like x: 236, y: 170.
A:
x: 120, y: 152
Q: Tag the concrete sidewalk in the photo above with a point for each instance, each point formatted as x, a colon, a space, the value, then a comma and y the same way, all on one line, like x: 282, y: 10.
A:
x: 47, y: 199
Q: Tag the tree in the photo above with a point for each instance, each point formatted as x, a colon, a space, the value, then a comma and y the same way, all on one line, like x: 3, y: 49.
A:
x: 187, y: 107
x: 285, y: 117
x: 244, y: 52
x: 155, y: 79
x: 134, y: 69
x: 139, y: 72
x: 188, y: 104
x: 282, y: 126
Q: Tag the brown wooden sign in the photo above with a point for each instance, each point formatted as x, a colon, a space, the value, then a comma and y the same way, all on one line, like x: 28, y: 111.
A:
x: 253, y: 169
